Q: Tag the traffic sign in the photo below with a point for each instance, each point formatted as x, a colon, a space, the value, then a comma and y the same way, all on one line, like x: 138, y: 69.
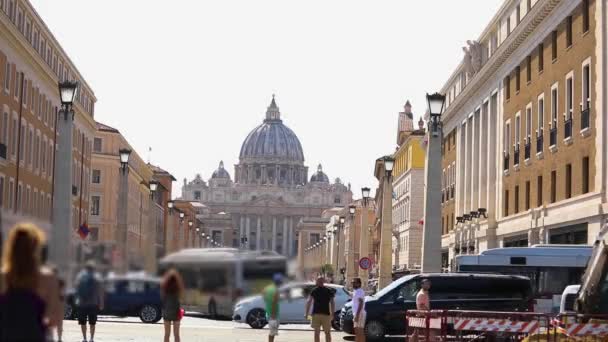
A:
x: 365, y: 263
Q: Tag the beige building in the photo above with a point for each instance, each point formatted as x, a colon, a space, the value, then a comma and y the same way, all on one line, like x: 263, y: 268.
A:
x: 144, y: 219
x: 524, y: 108
x: 32, y: 62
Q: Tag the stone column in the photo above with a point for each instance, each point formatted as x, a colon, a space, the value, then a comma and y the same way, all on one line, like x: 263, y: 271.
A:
x: 284, y: 235
x: 277, y: 174
x: 259, y: 234
x: 290, y: 238
x: 431, y: 238
x: 364, y: 245
x: 247, y: 231
x: 274, y: 233
x: 241, y: 229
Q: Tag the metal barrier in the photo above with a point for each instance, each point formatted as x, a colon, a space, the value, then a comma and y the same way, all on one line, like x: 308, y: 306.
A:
x: 459, y: 325
x: 575, y: 327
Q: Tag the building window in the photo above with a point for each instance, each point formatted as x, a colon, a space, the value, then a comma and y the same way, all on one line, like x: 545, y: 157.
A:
x: 585, y: 175
x: 569, y: 31
x: 7, y: 76
x: 568, y: 180
x: 11, y: 191
x: 516, y: 207
x: 517, y: 79
x: 553, y: 186
x: 529, y: 69
x: 197, y: 195
x: 508, y: 25
x: 94, y: 234
x: 541, y: 57
x: 554, y: 99
x: 527, y: 199
x: 95, y: 202
x: 586, y: 102
x: 96, y: 177
x: 554, y: 45
x: 506, y: 204
x: 508, y: 87
x: 528, y: 123
x: 337, y: 200
x: 528, y: 6
x: 585, y: 16
x: 97, y: 144
x: 518, y: 14
x: 5, y: 129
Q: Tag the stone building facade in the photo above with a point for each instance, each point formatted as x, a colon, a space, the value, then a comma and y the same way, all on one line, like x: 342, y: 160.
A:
x: 270, y: 192
x: 527, y: 106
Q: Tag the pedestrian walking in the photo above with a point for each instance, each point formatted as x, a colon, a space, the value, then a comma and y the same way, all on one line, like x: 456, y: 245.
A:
x: 89, y: 299
x: 271, y: 299
x: 323, y: 308
x: 423, y: 303
x: 359, y: 310
x: 60, y: 311
x: 28, y: 291
x: 171, y: 290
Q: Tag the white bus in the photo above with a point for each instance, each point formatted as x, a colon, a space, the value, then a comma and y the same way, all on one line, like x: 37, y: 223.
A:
x: 550, y: 268
x: 215, y: 278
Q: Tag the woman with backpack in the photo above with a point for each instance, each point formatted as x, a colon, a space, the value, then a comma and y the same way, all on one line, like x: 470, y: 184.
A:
x: 171, y: 290
x: 29, y: 299
x: 89, y: 299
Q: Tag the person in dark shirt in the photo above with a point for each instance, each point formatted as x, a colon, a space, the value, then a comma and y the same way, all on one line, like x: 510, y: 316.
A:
x: 323, y: 308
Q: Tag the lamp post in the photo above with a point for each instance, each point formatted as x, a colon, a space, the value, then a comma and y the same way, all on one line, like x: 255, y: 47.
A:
x: 431, y: 238
x: 386, y: 231
x: 337, y: 236
x: 123, y: 210
x: 60, y: 241
x: 364, y: 237
x: 151, y: 233
x: 191, y: 233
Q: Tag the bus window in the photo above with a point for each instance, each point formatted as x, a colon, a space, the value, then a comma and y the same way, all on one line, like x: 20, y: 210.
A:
x: 211, y: 280
x: 553, y: 280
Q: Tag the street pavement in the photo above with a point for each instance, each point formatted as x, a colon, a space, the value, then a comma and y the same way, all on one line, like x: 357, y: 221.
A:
x: 193, y: 329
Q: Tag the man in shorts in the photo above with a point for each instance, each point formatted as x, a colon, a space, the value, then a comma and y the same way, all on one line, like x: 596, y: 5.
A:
x: 359, y: 310
x: 323, y: 308
x: 271, y: 299
x: 89, y: 297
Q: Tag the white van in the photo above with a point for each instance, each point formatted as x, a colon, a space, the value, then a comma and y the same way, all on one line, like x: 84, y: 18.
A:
x: 568, y: 299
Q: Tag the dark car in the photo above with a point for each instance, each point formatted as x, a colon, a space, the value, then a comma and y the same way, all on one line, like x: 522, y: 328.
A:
x: 126, y: 297
x: 449, y: 291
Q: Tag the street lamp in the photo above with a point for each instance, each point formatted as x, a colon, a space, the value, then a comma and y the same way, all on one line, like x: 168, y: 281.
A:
x: 190, y: 224
x: 124, y: 154
x: 389, y: 162
x: 67, y: 91
x: 352, y: 209
x: 59, y: 244
x: 436, y: 102
x: 342, y: 220
x: 181, y: 216
x: 170, y: 205
x: 365, y: 194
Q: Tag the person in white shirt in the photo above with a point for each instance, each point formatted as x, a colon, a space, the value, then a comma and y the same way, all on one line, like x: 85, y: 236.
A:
x: 359, y: 310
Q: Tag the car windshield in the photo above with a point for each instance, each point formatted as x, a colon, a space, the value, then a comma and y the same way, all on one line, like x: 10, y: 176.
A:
x: 393, y: 286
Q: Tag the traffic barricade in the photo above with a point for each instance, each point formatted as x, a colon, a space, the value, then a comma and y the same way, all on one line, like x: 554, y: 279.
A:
x: 428, y: 326
x: 498, y: 326
x: 581, y: 328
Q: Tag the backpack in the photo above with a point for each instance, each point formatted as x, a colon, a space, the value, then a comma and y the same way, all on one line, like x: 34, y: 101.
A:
x: 86, y: 289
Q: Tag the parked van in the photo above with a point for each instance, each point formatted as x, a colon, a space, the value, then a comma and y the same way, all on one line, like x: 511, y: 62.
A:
x: 449, y: 291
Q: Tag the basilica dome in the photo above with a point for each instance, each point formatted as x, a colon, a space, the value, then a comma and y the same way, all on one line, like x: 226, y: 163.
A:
x: 220, y: 172
x: 272, y: 140
x: 319, y: 176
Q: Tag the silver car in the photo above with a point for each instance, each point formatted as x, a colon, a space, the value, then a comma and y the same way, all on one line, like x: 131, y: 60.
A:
x: 292, y: 303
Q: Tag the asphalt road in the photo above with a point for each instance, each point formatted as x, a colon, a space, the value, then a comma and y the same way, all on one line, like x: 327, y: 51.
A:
x: 193, y: 329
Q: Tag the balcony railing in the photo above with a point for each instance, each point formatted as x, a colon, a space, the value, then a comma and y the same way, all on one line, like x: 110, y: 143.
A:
x: 2, y: 151
x: 516, y: 155
x: 527, y: 149
x: 585, y: 118
x: 506, y: 162
x: 553, y: 136
x: 539, y: 143
x: 568, y: 128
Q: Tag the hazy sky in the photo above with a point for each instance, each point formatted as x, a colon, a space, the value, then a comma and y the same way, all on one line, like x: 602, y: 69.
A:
x: 191, y: 78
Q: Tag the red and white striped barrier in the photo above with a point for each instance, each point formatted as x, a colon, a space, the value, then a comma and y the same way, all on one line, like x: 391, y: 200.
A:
x: 587, y: 329
x: 502, y: 325
x: 420, y: 322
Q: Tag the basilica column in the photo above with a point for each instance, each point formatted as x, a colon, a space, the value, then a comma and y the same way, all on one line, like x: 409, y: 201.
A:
x: 248, y: 231
x: 258, y: 237
x: 284, y: 249
x: 264, y: 176
x: 290, y: 237
x: 241, y: 229
x: 277, y: 174
x: 274, y: 233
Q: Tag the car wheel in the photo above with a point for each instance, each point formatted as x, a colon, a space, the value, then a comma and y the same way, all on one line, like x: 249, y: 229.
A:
x: 374, y: 330
x: 149, y: 314
x: 68, y: 311
x: 335, y: 323
x: 256, y: 318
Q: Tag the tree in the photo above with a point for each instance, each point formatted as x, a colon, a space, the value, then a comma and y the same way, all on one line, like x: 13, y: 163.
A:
x: 327, y: 270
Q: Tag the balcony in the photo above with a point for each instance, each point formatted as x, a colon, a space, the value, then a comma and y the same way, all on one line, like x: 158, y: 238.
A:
x: 585, y: 113
x: 527, y: 149
x: 539, y: 143
x: 568, y: 129
x: 553, y: 136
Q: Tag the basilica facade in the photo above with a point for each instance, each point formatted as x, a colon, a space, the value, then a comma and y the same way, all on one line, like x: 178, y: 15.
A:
x: 270, y: 193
